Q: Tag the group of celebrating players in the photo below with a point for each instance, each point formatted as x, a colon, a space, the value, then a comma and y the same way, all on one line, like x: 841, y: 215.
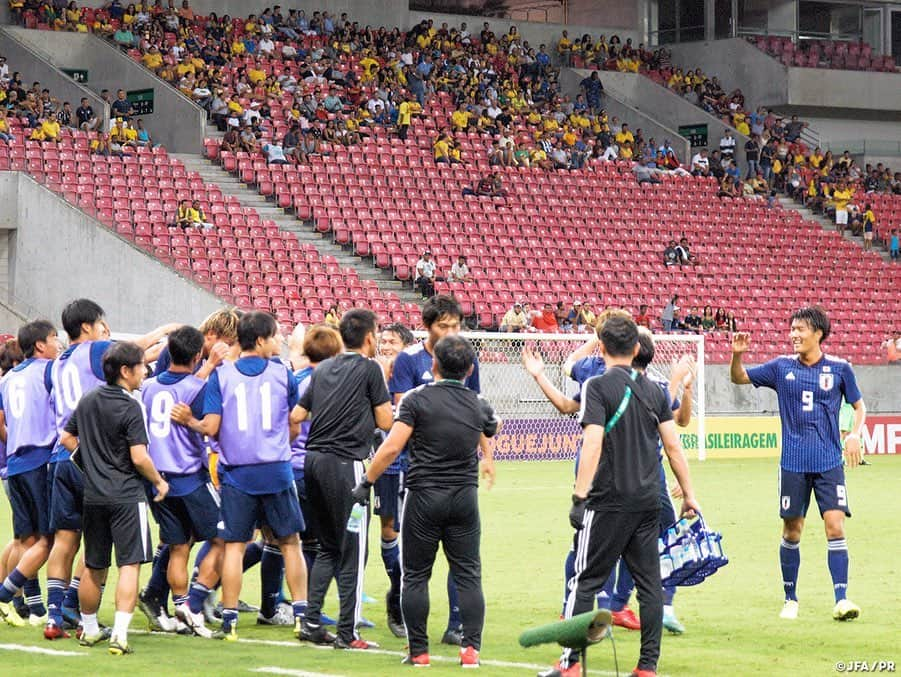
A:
x: 260, y: 459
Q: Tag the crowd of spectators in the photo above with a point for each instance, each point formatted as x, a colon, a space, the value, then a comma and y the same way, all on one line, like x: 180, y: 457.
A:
x: 240, y: 70
x: 672, y: 318
x: 694, y: 85
x: 47, y: 118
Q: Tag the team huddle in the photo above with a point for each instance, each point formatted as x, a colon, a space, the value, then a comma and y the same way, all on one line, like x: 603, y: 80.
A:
x: 268, y: 460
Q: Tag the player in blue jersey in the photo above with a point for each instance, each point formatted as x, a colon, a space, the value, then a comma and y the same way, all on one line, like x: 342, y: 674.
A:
x: 10, y: 356
x: 219, y: 332
x: 28, y: 428
x: 441, y: 316
x: 77, y: 371
x: 190, y: 511
x: 250, y: 406
x: 810, y: 386
x: 388, y: 488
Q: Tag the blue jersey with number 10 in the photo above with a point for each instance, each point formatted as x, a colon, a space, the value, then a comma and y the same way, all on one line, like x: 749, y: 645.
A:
x: 809, y: 401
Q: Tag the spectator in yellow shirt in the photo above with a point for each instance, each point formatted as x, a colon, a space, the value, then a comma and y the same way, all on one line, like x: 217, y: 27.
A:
x: 623, y: 136
x: 256, y: 76
x: 405, y: 113
x: 841, y: 196
x: 460, y: 118
x: 152, y: 59
x: 47, y: 131
x: 237, y: 47
x: 184, y: 67
x: 564, y: 48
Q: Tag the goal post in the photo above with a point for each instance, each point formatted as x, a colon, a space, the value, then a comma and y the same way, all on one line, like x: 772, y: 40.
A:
x: 533, y: 429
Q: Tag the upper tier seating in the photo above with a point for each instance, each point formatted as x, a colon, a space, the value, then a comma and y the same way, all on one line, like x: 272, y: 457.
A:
x: 838, y: 54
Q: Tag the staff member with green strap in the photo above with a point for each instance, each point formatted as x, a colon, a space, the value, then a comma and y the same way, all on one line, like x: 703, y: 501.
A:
x: 616, y: 500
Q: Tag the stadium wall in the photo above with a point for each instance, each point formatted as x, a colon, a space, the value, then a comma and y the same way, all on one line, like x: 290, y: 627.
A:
x: 667, y: 108
x: 765, y: 81
x: 58, y: 253
x: 20, y: 56
x: 880, y: 385
x: 176, y: 122
x: 616, y: 107
x: 738, y: 64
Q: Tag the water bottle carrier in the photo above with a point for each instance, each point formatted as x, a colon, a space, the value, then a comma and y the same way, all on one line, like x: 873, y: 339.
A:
x: 690, y: 552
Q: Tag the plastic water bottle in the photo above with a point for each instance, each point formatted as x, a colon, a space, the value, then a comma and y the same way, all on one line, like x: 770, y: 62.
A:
x: 357, y: 513
x: 666, y: 566
x: 676, y: 557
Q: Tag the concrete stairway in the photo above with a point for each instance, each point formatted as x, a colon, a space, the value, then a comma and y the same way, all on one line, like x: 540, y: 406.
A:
x: 828, y: 224
x: 303, y: 230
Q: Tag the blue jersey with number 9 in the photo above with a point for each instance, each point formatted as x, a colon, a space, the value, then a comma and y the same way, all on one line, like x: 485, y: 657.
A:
x: 810, y: 398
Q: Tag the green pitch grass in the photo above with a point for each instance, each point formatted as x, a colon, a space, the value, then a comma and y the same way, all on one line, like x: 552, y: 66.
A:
x: 732, y: 619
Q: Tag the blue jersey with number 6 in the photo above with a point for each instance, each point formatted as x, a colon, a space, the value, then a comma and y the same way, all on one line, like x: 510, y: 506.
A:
x: 809, y: 401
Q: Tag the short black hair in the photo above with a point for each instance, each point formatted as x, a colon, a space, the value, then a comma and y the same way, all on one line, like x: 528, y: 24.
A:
x: 355, y: 325
x: 816, y: 317
x: 646, y: 350
x: 185, y: 343
x: 619, y: 336
x: 454, y: 355
x: 79, y: 312
x: 255, y: 325
x: 31, y: 333
x: 120, y: 354
x: 438, y: 306
x: 406, y: 336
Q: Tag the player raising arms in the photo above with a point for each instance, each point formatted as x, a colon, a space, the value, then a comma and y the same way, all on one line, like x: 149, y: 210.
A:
x: 810, y: 386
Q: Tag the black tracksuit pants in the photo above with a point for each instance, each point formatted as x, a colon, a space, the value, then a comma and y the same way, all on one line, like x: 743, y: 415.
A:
x: 449, y: 515
x: 329, y: 481
x: 603, y: 538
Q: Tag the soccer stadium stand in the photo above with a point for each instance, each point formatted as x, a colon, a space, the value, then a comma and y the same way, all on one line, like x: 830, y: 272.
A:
x: 592, y: 232
x: 837, y: 54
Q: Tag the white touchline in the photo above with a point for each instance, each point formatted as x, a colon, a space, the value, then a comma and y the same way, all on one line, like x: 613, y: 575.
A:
x: 271, y: 670
x: 384, y: 652
x: 40, y: 650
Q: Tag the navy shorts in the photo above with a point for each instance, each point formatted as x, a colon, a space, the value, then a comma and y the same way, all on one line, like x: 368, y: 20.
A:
x: 193, y: 517
x: 67, y: 496
x: 387, y: 491
x: 30, y: 503
x: 828, y: 487
x: 241, y: 512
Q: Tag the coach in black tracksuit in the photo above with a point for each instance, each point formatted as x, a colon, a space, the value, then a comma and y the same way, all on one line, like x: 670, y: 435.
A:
x: 616, y: 497
x: 443, y: 422
x: 347, y: 398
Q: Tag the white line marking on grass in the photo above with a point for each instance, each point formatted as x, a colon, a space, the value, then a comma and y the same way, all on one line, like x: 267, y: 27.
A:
x: 40, y: 650
x: 271, y: 670
x: 385, y: 652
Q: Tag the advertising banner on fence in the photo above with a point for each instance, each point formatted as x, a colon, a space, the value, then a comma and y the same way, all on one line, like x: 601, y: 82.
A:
x: 725, y: 436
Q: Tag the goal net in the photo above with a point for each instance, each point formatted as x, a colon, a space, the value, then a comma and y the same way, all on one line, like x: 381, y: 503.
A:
x: 533, y: 429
